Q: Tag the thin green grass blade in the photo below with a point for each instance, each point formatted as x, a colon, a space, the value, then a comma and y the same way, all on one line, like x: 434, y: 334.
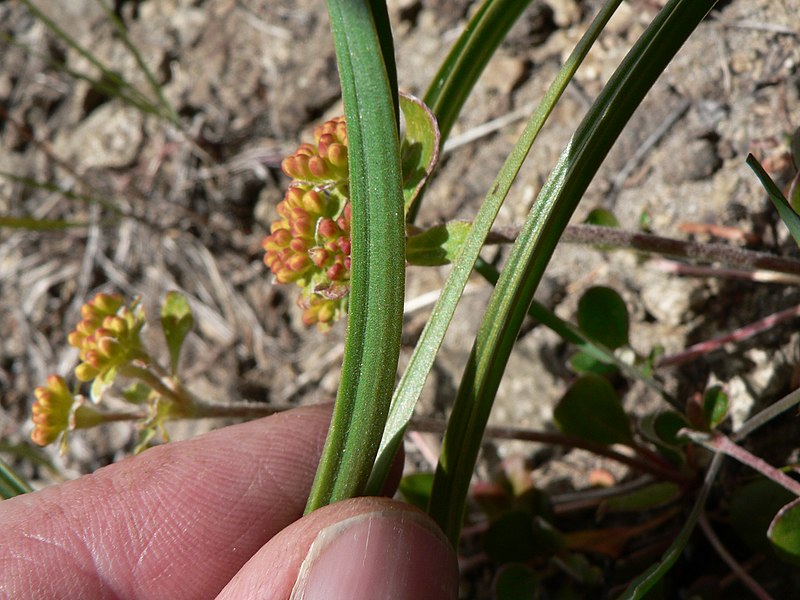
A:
x: 50, y: 187
x: 375, y: 317
x: 11, y: 484
x: 168, y: 110
x: 464, y: 64
x: 642, y: 584
x: 785, y: 210
x: 468, y: 57
x: 32, y: 224
x: 380, y: 16
x: 534, y: 247
x: 413, y: 379
x: 101, y: 85
x: 116, y: 85
x: 572, y: 334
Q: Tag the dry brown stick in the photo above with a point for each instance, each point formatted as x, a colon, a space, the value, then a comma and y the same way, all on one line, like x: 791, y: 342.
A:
x: 656, y: 244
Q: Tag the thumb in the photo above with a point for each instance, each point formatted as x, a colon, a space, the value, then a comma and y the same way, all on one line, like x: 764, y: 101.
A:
x: 365, y: 548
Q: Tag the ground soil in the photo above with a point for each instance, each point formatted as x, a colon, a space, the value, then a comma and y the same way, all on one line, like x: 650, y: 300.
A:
x: 250, y: 79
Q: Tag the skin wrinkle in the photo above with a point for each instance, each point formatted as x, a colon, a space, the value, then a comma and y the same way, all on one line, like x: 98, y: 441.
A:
x: 177, y: 509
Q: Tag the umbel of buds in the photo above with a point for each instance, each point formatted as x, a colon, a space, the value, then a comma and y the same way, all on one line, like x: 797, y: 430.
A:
x: 107, y: 336
x: 51, y: 410
x: 56, y: 412
x: 310, y: 243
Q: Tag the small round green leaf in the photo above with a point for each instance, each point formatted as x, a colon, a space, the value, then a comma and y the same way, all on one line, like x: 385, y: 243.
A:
x: 784, y: 532
x: 715, y: 406
x: 602, y: 217
x: 753, y: 506
x: 517, y: 536
x: 591, y: 410
x: 603, y: 316
x: 516, y: 582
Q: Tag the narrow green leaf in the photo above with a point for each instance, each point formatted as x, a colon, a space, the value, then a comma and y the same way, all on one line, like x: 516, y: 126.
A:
x: 419, y: 150
x: 794, y: 147
x: 11, y: 484
x: 787, y: 214
x: 464, y: 64
x: 784, y: 532
x: 638, y: 588
x: 591, y: 409
x: 176, y: 321
x: 33, y: 224
x: 438, y: 245
x: 582, y: 362
x: 603, y: 316
x: 650, y: 496
x: 589, y: 350
x: 377, y: 281
x: 535, y: 244
x: 413, y: 379
x: 168, y: 110
x: 468, y: 57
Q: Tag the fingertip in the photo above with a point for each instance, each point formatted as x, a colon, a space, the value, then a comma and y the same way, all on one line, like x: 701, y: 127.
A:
x: 356, y: 549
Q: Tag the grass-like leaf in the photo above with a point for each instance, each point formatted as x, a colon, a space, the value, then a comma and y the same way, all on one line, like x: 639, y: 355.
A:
x: 534, y: 247
x: 413, y: 379
x: 33, y: 224
x: 375, y: 317
x: 787, y: 213
x: 11, y: 484
x: 465, y: 62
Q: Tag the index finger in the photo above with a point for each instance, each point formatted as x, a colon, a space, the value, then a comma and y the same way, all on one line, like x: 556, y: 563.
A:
x: 175, y: 522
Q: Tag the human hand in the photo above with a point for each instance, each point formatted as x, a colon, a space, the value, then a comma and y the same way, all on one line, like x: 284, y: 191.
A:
x: 219, y: 515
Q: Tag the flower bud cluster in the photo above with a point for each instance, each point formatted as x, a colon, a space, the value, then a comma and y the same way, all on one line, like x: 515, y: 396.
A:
x: 51, y: 411
x: 310, y: 243
x: 107, y: 336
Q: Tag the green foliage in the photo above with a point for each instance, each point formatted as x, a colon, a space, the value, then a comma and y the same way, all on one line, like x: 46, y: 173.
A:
x: 789, y: 217
x: 438, y: 245
x: 416, y: 489
x: 650, y: 496
x: 784, y: 532
x: 752, y: 509
x: 517, y: 536
x: 591, y: 409
x: 516, y: 582
x: 603, y: 316
x: 419, y: 150
x: 176, y: 322
x: 715, y: 406
x: 602, y: 217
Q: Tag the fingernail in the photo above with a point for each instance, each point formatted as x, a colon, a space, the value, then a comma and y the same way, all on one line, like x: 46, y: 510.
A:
x: 390, y: 554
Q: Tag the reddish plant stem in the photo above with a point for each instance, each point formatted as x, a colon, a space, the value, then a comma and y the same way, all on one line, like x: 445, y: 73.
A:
x: 734, y: 566
x: 743, y: 333
x: 658, y: 469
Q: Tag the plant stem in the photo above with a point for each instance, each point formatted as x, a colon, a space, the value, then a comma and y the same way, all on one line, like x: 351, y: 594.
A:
x: 645, y: 242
